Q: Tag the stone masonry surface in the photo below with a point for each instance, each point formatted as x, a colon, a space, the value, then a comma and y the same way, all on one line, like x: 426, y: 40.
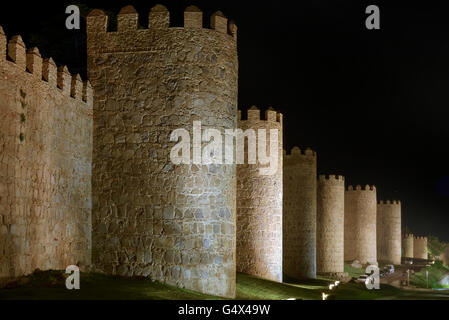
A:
x: 360, y: 224
x: 259, y: 206
x: 330, y: 224
x: 86, y: 176
x: 408, y: 245
x: 172, y: 223
x: 389, y: 232
x: 299, y: 216
x: 45, y: 163
x: 420, y: 248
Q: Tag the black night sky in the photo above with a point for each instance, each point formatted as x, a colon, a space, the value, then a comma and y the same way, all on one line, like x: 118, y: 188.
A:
x: 372, y: 103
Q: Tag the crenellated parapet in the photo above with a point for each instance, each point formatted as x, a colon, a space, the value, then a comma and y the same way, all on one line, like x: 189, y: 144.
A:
x: 389, y: 203
x: 253, y: 115
x: 159, y: 22
x: 421, y: 238
x: 297, y: 154
x: 14, y: 53
x: 331, y: 179
x: 359, y: 188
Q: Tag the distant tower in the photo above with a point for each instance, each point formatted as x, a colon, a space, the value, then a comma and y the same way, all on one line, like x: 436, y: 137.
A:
x: 389, y: 232
x: 420, y: 248
x: 360, y: 224
x: 151, y: 217
x: 259, y: 205
x: 408, y: 246
x: 330, y: 224
x: 299, y: 214
x: 446, y: 256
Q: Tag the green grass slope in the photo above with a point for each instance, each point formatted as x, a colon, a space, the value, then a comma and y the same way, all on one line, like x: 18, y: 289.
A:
x: 436, y: 272
x: 50, y: 285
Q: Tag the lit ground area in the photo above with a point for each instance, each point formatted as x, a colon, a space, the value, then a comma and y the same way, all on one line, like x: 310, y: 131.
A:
x: 50, y: 285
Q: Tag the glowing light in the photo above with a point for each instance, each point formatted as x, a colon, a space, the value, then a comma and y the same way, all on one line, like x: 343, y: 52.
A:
x: 291, y: 299
x: 331, y: 286
x: 337, y: 283
x: 324, y: 296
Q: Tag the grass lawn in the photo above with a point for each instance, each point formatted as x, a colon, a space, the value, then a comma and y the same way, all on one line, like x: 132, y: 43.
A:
x: 354, y: 272
x: 94, y: 286
x: 436, y: 272
x: 358, y: 291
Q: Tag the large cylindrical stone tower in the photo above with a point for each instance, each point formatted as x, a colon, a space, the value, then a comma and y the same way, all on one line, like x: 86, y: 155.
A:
x: 259, y: 201
x: 408, y: 246
x: 299, y: 214
x: 171, y: 222
x: 389, y: 232
x: 330, y: 225
x: 420, y: 248
x: 360, y: 224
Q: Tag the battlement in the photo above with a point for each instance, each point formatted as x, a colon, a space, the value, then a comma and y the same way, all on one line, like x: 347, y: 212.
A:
x: 408, y: 236
x: 14, y: 53
x: 421, y: 238
x: 296, y: 152
x: 253, y: 114
x: 359, y: 188
x: 388, y: 202
x: 159, y: 18
x: 331, y: 177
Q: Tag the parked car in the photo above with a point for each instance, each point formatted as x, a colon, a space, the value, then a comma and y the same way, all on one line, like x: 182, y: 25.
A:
x: 362, y: 278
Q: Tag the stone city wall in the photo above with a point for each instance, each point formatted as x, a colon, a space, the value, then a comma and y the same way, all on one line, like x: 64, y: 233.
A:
x: 389, y: 240
x: 45, y: 163
x: 172, y: 223
x: 420, y: 248
x: 408, y: 246
x: 360, y: 224
x: 299, y: 216
x: 330, y: 224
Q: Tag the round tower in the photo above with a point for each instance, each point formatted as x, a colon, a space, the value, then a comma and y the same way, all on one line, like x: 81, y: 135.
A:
x: 420, y: 248
x: 389, y: 232
x: 171, y: 222
x: 330, y: 225
x: 446, y: 256
x: 259, y: 198
x: 299, y: 213
x: 360, y: 224
x: 408, y: 246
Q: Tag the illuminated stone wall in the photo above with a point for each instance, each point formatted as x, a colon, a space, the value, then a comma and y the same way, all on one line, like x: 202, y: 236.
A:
x: 389, y: 240
x: 408, y: 246
x: 420, y: 248
x: 330, y: 224
x: 299, y: 214
x: 259, y: 205
x: 45, y: 163
x: 172, y: 223
x: 360, y: 224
